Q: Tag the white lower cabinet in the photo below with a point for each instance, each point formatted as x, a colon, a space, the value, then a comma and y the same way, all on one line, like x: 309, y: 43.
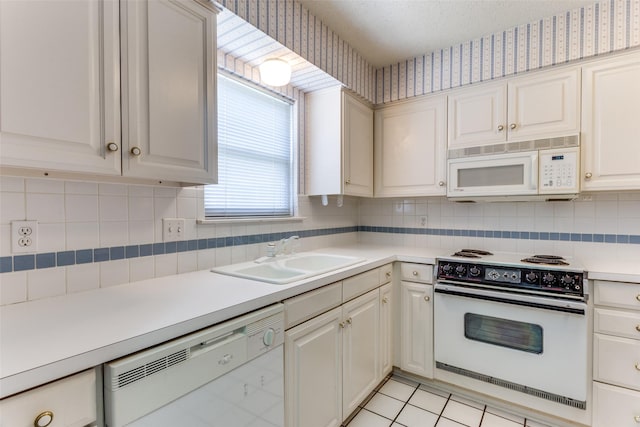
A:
x: 360, y: 351
x: 69, y: 402
x: 386, y: 328
x: 615, y: 406
x: 616, y: 354
x: 313, y: 372
x: 416, y: 308
x: 334, y: 360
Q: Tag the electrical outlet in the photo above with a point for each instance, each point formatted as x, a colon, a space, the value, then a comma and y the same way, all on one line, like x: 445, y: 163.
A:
x: 24, y: 236
x: 172, y: 229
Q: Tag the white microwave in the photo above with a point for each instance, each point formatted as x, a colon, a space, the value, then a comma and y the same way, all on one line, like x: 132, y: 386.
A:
x: 531, y: 175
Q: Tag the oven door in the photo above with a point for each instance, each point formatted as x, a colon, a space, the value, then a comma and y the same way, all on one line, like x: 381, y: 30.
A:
x: 496, y: 175
x: 533, y: 344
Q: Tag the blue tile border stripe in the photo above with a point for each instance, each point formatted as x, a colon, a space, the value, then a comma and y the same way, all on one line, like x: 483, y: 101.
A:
x: 84, y: 256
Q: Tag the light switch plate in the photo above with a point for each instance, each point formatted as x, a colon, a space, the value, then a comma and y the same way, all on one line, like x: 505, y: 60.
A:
x: 24, y: 236
x: 172, y: 229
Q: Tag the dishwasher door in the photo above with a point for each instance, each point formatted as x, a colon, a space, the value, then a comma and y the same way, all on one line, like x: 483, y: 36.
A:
x: 252, y: 395
x: 228, y: 375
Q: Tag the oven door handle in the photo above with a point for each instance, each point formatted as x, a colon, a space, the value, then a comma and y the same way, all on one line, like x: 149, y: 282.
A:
x: 515, y: 299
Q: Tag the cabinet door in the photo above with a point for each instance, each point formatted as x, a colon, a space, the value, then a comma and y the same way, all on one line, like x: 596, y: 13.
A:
x: 313, y: 372
x: 357, y: 139
x: 544, y: 105
x: 477, y: 116
x: 168, y: 86
x: 616, y: 360
x: 615, y: 406
x: 610, y: 105
x: 59, y: 85
x: 386, y: 328
x: 361, y: 343
x: 417, y: 328
x: 410, y: 149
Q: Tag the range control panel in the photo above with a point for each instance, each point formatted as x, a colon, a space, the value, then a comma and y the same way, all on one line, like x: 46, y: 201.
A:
x: 559, y: 170
x: 539, y: 279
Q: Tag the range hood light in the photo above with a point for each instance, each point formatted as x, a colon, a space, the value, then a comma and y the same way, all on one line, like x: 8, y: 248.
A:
x: 275, y: 72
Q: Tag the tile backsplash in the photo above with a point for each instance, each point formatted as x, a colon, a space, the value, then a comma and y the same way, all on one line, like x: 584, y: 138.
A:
x: 596, y: 225
x: 93, y: 234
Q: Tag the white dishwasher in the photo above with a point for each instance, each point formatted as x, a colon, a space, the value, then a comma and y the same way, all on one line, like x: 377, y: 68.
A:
x: 228, y: 375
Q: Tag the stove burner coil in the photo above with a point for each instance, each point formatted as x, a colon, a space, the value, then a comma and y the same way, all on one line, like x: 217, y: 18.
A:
x: 471, y: 253
x: 545, y: 259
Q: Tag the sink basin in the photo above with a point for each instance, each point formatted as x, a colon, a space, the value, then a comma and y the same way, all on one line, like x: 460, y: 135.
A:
x: 319, y: 262
x: 287, y: 269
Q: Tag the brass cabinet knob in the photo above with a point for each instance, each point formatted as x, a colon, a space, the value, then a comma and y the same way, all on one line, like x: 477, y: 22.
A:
x: 342, y: 325
x: 588, y: 175
x: 637, y: 366
x: 136, y: 151
x: 44, y: 419
x: 415, y: 273
x: 385, y: 300
x: 388, y: 274
x: 348, y: 181
x: 441, y: 183
x: 349, y: 320
x: 638, y: 328
x: 500, y: 128
x: 637, y: 418
x: 112, y: 146
x: 638, y: 297
x: 512, y: 126
x: 426, y: 298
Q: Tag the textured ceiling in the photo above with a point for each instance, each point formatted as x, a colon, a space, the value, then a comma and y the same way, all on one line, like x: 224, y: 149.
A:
x: 388, y: 31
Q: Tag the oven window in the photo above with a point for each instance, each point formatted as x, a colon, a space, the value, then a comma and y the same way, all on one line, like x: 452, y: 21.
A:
x: 503, y: 332
x: 491, y: 176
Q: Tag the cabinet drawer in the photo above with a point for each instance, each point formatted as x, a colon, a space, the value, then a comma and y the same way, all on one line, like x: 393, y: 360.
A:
x: 421, y: 273
x: 617, y: 294
x: 616, y: 361
x: 617, y: 322
x: 386, y: 273
x: 615, y: 406
x: 360, y: 284
x: 304, y: 307
x: 72, y: 401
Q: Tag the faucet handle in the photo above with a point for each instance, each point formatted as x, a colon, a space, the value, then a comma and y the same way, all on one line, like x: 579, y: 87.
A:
x: 272, y: 249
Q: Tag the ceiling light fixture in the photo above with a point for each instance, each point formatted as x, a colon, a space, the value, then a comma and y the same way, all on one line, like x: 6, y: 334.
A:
x: 275, y: 72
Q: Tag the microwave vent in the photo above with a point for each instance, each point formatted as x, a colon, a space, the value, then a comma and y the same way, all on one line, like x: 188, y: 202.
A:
x: 515, y: 147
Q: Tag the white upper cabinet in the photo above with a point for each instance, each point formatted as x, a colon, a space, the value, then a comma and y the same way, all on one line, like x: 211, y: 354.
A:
x: 59, y: 86
x: 168, y: 87
x: 543, y: 105
x: 611, y: 129
x: 477, y: 116
x: 339, y: 144
x: 410, y: 148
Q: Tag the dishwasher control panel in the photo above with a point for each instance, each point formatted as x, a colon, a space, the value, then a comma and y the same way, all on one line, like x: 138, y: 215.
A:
x: 265, y: 334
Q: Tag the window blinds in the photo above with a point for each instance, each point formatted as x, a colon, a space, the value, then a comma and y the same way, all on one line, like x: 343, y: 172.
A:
x: 254, y: 154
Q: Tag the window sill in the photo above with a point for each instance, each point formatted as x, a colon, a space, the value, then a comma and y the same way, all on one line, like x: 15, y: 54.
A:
x: 257, y: 220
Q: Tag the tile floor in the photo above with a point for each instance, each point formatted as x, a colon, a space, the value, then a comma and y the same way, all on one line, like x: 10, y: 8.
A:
x: 400, y: 402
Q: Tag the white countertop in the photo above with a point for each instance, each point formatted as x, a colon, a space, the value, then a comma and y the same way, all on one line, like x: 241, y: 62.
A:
x: 47, y: 339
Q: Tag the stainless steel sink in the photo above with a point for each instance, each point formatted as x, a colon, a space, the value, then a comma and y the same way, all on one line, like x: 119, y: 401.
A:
x: 288, y: 268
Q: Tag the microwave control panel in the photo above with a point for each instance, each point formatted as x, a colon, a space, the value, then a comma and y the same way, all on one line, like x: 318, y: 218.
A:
x: 559, y: 170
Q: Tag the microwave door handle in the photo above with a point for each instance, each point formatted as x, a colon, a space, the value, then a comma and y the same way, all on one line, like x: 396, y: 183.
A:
x: 534, y: 171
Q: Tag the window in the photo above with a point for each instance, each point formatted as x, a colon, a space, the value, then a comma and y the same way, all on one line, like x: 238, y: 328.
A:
x: 255, y: 160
